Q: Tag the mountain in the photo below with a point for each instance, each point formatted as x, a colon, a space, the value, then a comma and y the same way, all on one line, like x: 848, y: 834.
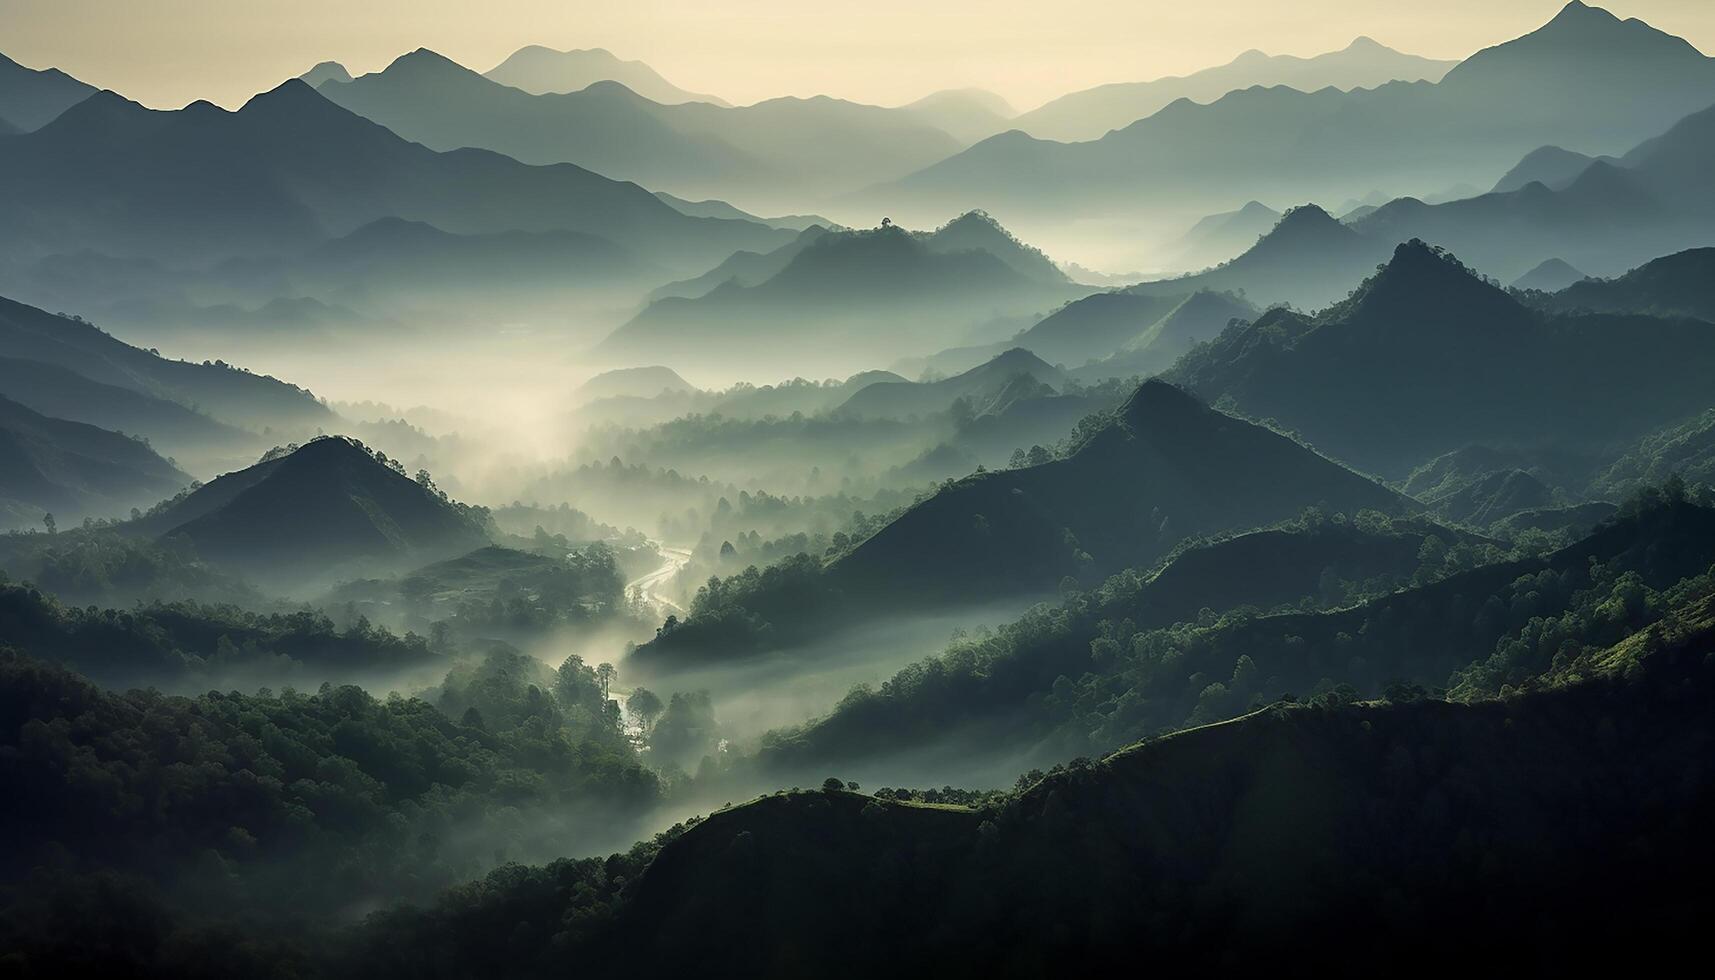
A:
x: 1164, y: 467
x: 229, y: 393
x: 60, y: 392
x: 975, y: 231
x: 1612, y: 216
x: 1586, y: 79
x: 1095, y: 326
x: 318, y: 511
x: 1438, y: 358
x: 326, y: 71
x: 1307, y: 259
x: 32, y: 98
x: 1549, y: 166
x: 979, y: 386
x: 1684, y: 449
x: 845, y: 298
x: 1550, y: 276
x: 636, y: 382
x: 1682, y: 284
x: 1219, y: 237
x: 742, y: 268
x: 73, y: 470
x: 542, y: 71
x: 779, y: 150
x: 721, y: 209
x: 1089, y: 114
x: 967, y: 114
x: 1200, y: 317
x: 609, y: 129
x: 290, y: 170
x: 416, y: 272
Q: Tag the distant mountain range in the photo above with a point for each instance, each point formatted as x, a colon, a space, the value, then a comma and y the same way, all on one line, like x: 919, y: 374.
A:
x: 290, y: 170
x: 840, y: 296
x: 543, y: 71
x: 31, y: 98
x: 1092, y: 113
x: 782, y: 150
x: 1586, y: 80
x: 1682, y: 284
x: 1438, y: 359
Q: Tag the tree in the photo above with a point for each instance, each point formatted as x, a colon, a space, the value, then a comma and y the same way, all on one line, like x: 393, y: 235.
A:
x: 604, y: 674
x: 833, y: 784
x: 48, y: 522
x: 644, y: 706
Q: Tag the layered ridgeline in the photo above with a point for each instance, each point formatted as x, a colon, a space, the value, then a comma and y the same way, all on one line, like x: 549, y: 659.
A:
x: 1162, y: 468
x: 31, y: 98
x: 55, y: 470
x: 1266, y: 837
x: 1093, y: 113
x: 540, y: 70
x: 290, y: 170
x: 981, y: 387
x: 1614, y: 214
x: 326, y: 510
x: 1439, y: 358
x: 843, y: 298
x: 206, y: 414
x: 1585, y: 80
x: 1254, y: 618
x: 1679, y: 285
x: 783, y: 150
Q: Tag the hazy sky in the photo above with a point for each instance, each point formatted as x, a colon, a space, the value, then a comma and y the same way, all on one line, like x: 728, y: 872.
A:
x: 169, y: 52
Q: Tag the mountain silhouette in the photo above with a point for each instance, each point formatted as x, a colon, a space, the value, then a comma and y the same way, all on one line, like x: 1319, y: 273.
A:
x: 1307, y: 259
x: 1550, y: 275
x: 1549, y: 166
x: 230, y: 394
x: 981, y: 386
x: 1166, y: 466
x: 966, y: 114
x: 31, y: 98
x: 696, y: 149
x: 845, y: 295
x: 1089, y: 114
x: 60, y: 392
x: 1682, y: 284
x: 328, y: 505
x: 1585, y: 80
x: 742, y: 268
x: 289, y: 170
x: 543, y: 71
x: 1199, y: 317
x: 73, y: 470
x: 636, y: 382
x: 326, y: 71
x: 1438, y: 358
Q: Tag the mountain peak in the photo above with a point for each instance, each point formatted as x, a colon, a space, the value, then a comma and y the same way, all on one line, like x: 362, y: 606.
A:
x: 1157, y: 403
x: 1422, y: 281
x: 327, y: 71
x: 1363, y: 42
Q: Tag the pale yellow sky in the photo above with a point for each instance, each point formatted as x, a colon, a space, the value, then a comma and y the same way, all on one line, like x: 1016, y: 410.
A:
x: 168, y: 52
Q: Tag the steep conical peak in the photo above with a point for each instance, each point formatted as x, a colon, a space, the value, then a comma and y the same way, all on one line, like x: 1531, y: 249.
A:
x: 1304, y: 217
x: 1157, y: 403
x: 1363, y: 42
x: 424, y: 62
x: 1014, y: 361
x: 1423, y: 281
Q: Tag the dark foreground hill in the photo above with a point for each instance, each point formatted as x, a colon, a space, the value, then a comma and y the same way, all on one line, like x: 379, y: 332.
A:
x: 1372, y: 828
x: 322, y: 508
